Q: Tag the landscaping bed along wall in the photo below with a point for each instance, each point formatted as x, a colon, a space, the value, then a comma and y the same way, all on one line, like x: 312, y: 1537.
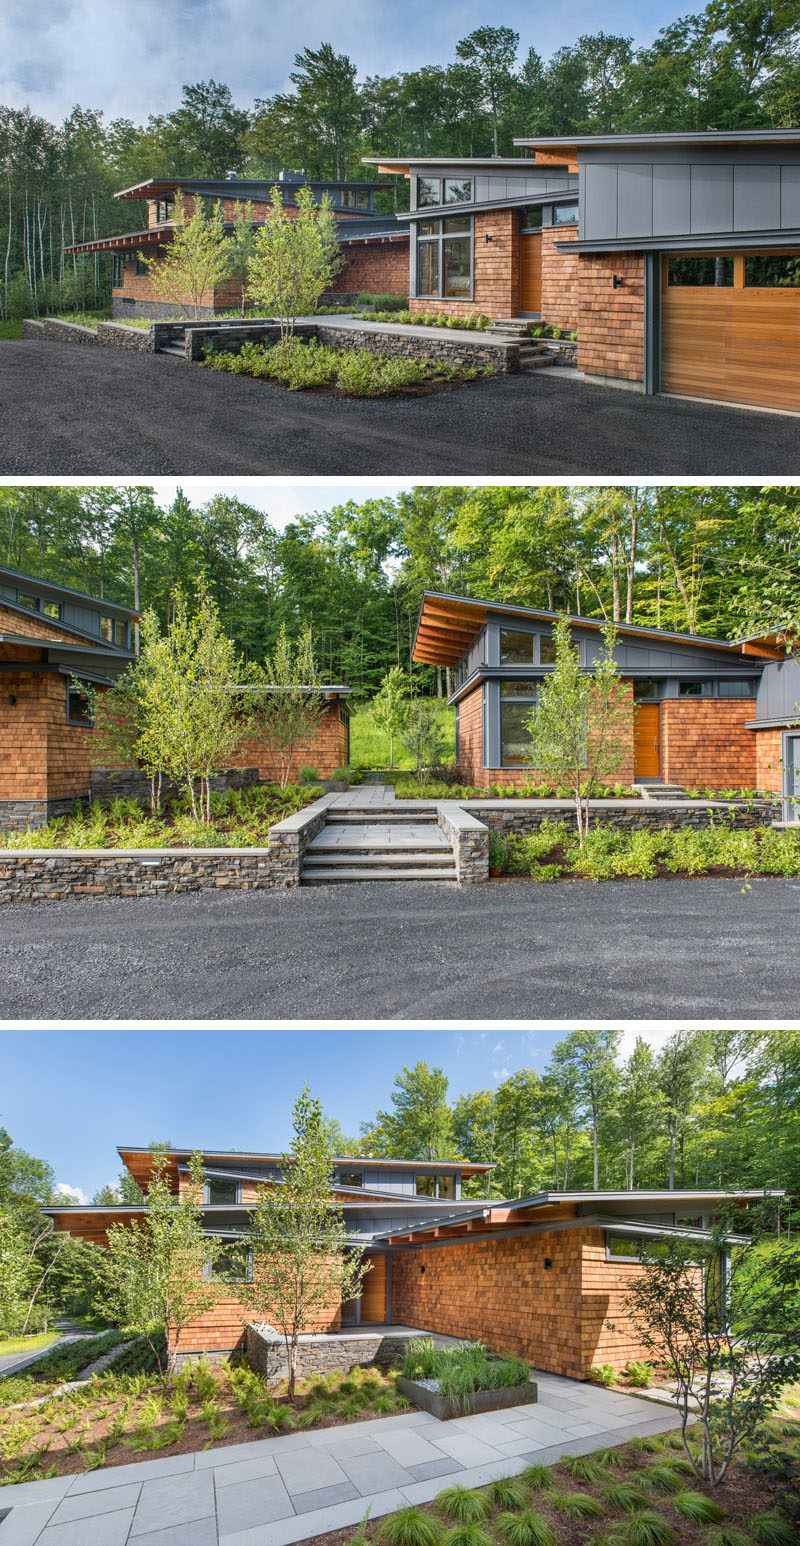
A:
x: 624, y: 815
x: 319, y: 1354
x: 108, y: 335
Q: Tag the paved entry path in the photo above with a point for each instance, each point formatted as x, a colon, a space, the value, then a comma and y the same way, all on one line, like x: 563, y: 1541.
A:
x: 276, y: 1491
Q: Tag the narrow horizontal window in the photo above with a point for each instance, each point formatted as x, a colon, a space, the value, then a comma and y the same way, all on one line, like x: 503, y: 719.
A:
x: 353, y: 1178
x: 565, y: 214
x: 705, y: 272
x: 734, y: 689
x: 768, y: 272
x: 695, y: 689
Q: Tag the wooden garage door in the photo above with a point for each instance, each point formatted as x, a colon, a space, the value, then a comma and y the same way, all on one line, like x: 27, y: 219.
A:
x: 740, y: 341
x: 530, y: 271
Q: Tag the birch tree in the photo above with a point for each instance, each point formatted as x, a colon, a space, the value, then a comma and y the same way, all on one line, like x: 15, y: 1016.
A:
x: 295, y: 258
x: 287, y: 704
x: 196, y: 258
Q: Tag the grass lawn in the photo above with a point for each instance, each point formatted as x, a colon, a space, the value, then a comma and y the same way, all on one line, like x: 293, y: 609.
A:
x: 369, y: 746
x: 125, y: 1414
x: 12, y: 329
x: 27, y: 1344
x: 240, y: 818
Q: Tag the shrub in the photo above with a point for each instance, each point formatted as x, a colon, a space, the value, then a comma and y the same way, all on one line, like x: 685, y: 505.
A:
x: 411, y: 1527
x: 770, y: 1529
x: 663, y: 1478
x: 308, y: 775
x: 638, y: 1373
x: 526, y: 1529
x: 508, y: 1493
x: 696, y: 1507
x: 625, y: 1496
x: 537, y: 1477
x: 462, y: 1504
x: 647, y: 1529
x: 602, y: 1373
x: 576, y: 1505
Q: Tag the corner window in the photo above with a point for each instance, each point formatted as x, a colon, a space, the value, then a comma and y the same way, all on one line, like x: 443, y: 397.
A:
x: 763, y: 272
x: 219, y: 1192
x: 531, y: 219
x: 354, y: 1178
x: 429, y: 192
x: 517, y: 648
x: 444, y: 258
x: 695, y: 689
x: 565, y: 214
x: 735, y: 689
x: 700, y: 272
x: 517, y: 701
x: 457, y: 190
x: 233, y: 1263
x: 447, y: 1188
x: 80, y: 706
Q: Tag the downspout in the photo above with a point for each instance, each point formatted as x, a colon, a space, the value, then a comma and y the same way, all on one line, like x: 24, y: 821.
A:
x: 652, y: 323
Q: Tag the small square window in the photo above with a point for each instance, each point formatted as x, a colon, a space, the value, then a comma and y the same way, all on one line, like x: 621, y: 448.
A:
x: 516, y: 648
x: 644, y: 687
x: 429, y: 192
x: 565, y: 214
x: 531, y: 219
x: 700, y: 272
x: 233, y: 1263
x: 220, y: 1192
x: 80, y: 706
x: 52, y: 609
x: 426, y: 1186
x: 457, y: 190
x: 354, y: 1178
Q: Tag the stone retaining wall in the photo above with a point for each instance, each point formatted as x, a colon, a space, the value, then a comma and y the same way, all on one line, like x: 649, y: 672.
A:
x: 24, y: 815
x: 132, y: 784
x: 462, y: 349
x: 60, y: 332
x: 528, y: 815
x: 54, y: 874
x: 289, y: 839
x: 319, y: 1354
x: 470, y: 841
x: 115, y: 335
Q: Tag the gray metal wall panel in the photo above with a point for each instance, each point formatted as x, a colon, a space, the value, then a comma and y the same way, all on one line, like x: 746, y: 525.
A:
x: 671, y: 200
x: 779, y: 690
x: 600, y: 202
x: 635, y: 195
x: 790, y: 197
x: 712, y: 198
x: 756, y: 198
x: 481, y: 190
x: 82, y: 617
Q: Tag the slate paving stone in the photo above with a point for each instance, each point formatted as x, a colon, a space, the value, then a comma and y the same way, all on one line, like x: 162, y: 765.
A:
x: 324, y: 1497
x: 23, y: 1494
x: 252, y: 1503
x: 309, y: 1469
x: 142, y: 1471
x: 106, y: 1530
x: 174, y: 1500
x: 23, y: 1526
x: 244, y: 1471
x: 431, y: 1468
x: 375, y: 1473
x: 461, y: 1446
x: 346, y: 1446
x: 201, y: 1532
x: 230, y: 1454
x: 410, y: 1448
x: 88, y: 1505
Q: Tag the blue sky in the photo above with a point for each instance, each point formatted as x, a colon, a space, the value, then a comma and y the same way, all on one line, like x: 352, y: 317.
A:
x: 70, y: 1096
x: 132, y: 59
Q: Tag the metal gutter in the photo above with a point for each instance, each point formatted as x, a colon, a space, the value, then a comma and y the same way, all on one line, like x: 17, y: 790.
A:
x: 754, y: 241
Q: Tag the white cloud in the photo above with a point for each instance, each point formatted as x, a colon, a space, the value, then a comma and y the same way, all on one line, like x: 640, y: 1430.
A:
x: 71, y: 1193
x: 498, y: 1046
x: 500, y: 1074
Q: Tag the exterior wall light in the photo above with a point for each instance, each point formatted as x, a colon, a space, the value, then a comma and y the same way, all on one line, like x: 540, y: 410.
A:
x: 616, y: 282
x: 12, y: 699
x: 487, y: 238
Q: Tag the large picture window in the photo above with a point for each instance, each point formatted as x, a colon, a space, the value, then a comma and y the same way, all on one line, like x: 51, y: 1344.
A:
x: 444, y: 258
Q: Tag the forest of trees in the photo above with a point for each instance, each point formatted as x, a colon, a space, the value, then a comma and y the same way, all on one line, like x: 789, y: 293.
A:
x: 736, y: 64
x: 724, y: 561
x: 710, y: 1108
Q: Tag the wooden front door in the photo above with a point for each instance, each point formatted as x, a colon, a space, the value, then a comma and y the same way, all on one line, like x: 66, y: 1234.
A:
x: 373, y: 1292
x: 647, y: 741
x: 737, y: 342
x: 530, y: 271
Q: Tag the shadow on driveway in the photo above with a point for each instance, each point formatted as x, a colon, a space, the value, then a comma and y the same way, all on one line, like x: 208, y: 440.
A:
x: 67, y: 409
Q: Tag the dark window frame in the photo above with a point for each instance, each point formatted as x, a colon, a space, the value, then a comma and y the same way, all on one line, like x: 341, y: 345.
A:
x: 437, y: 240
x: 557, y: 218
x: 164, y: 209
x: 117, y: 270
x: 457, y: 182
x: 225, y: 1181
x: 210, y: 1275
x: 350, y: 1184
x: 140, y: 268
x: 510, y: 700
x: 75, y: 691
x: 426, y: 203
x: 524, y: 214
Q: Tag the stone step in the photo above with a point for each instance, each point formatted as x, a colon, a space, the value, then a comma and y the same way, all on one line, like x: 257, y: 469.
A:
x: 372, y: 814
x: 177, y: 349
x: 662, y: 791
x: 330, y: 874
x: 385, y: 858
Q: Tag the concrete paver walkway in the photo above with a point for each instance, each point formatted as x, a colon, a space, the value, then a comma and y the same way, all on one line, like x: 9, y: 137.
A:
x: 274, y: 1492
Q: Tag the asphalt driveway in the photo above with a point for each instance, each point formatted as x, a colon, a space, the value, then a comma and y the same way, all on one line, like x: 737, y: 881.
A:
x: 67, y: 409
x: 423, y: 951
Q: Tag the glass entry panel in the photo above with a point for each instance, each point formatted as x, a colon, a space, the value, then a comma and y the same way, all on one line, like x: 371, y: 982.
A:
x: 791, y: 776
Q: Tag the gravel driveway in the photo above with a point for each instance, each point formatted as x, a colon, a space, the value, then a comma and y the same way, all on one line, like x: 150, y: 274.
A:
x: 67, y: 409
x: 420, y: 951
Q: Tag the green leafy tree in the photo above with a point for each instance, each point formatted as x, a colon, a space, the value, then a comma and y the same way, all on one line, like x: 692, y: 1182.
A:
x: 638, y: 1110
x: 589, y: 1056
x: 157, y: 1265
x: 581, y: 726
x: 681, y: 1067
x: 328, y: 104
x: 287, y: 705
x: 493, y: 50
x: 419, y: 1124
x: 196, y: 259
x: 422, y: 735
x: 516, y: 1104
x: 725, y: 1315
x: 295, y: 257
x: 303, y: 1267
x: 390, y: 704
x: 241, y: 247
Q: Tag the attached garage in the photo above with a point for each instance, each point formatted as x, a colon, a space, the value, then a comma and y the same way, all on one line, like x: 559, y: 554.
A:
x: 730, y: 327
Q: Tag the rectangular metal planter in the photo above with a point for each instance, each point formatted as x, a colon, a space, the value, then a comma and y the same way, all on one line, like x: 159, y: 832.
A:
x: 480, y: 1400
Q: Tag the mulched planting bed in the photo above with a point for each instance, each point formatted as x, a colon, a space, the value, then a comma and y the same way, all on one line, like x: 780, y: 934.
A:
x: 239, y: 819
x: 743, y: 1495
x: 118, y: 1420
x: 418, y: 389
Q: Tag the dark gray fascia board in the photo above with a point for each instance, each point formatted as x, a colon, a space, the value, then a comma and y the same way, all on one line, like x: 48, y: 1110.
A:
x: 754, y: 241
x: 369, y: 1191
x: 663, y: 137
x: 101, y: 652
x: 471, y: 163
x: 486, y: 673
x: 336, y: 1159
x: 787, y: 722
x: 63, y: 592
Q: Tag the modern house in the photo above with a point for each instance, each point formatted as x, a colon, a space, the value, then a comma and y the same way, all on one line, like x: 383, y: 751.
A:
x: 676, y: 256
x: 543, y: 1276
x: 707, y: 712
x: 375, y: 248
x: 59, y: 649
